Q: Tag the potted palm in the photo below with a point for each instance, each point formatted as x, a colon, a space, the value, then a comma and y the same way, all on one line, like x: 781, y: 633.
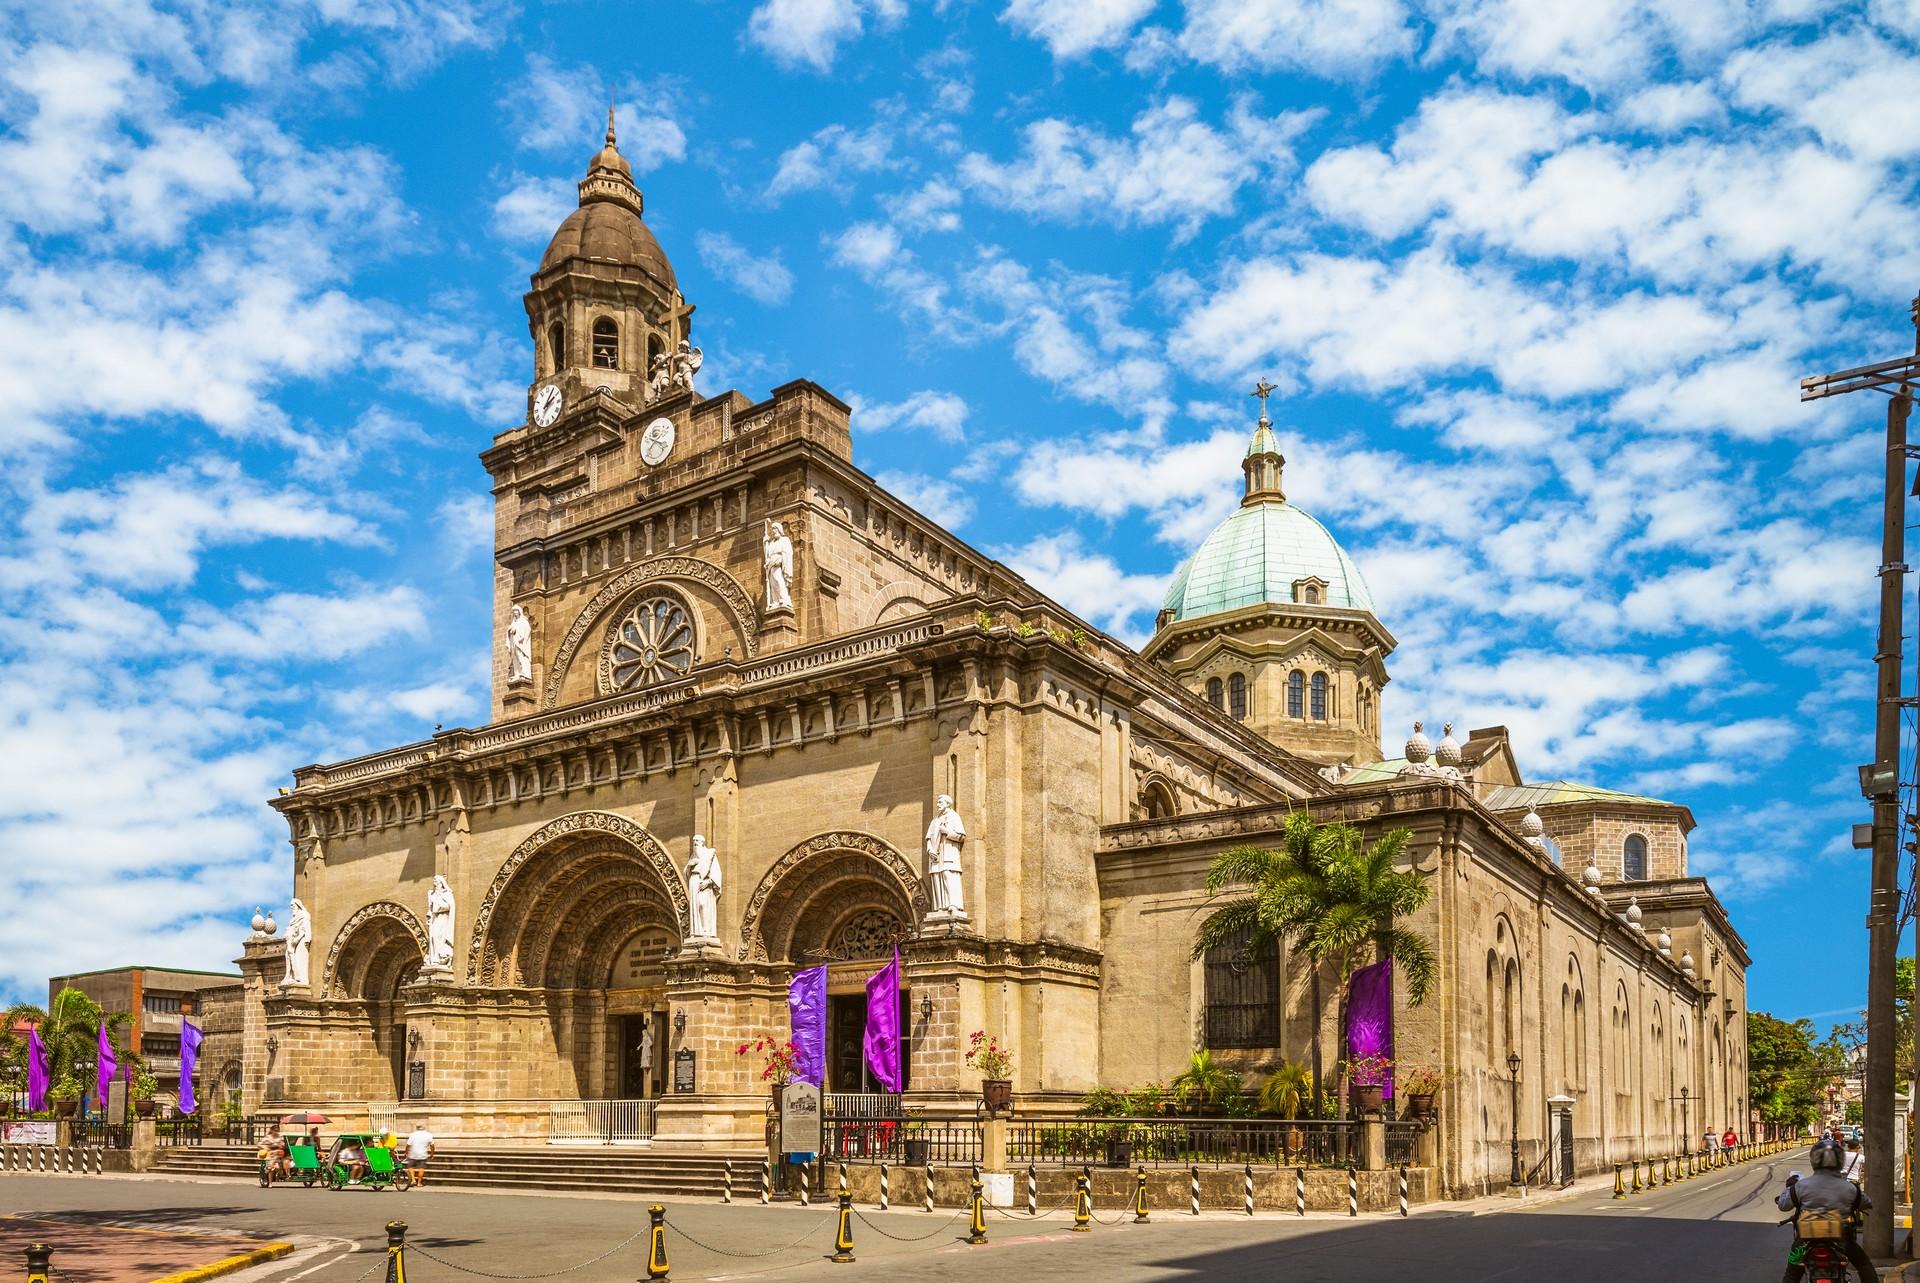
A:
x: 1205, y: 1083
x: 995, y: 1064
x: 1421, y: 1086
x: 1286, y: 1092
x: 65, y: 1096
x: 144, y: 1087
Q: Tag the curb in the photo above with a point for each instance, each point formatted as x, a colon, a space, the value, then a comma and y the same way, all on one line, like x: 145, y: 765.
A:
x: 227, y: 1265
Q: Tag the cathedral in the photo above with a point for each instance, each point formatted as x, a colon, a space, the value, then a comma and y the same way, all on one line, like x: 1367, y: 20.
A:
x: 752, y: 713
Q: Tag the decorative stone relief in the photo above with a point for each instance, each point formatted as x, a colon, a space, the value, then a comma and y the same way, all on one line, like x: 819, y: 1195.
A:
x: 746, y: 616
x: 329, y: 976
x: 825, y: 845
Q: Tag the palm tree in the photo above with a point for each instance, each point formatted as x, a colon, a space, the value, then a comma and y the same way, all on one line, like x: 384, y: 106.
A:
x: 1325, y: 890
x: 1205, y: 1081
x: 70, y: 1030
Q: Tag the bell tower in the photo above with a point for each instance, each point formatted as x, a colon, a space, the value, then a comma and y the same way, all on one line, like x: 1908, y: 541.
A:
x: 605, y: 311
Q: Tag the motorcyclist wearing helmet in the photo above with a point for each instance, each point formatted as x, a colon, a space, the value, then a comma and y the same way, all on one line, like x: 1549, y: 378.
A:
x: 1827, y: 1190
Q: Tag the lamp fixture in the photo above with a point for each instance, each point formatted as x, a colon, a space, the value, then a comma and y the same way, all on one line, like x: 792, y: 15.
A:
x: 679, y: 1022
x: 273, y: 1046
x: 926, y: 1008
x: 1513, y: 1063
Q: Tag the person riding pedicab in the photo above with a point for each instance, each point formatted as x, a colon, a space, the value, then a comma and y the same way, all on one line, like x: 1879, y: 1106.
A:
x: 353, y: 1157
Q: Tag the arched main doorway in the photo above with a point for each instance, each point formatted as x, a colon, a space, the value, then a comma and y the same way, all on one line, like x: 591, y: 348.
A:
x: 844, y: 899
x: 377, y: 950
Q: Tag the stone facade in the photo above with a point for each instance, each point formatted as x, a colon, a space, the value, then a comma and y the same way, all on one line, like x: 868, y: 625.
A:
x: 671, y: 694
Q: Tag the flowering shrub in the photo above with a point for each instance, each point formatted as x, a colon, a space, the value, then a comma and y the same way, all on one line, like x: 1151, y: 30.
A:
x: 1369, y: 1071
x: 782, y: 1058
x: 985, y: 1054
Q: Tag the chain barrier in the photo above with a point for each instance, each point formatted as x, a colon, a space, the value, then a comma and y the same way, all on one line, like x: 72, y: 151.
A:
x: 1032, y: 1216
x: 909, y: 1238
x: 750, y: 1256
x: 522, y: 1274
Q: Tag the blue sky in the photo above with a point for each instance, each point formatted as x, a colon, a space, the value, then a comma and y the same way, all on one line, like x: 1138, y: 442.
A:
x: 1536, y: 279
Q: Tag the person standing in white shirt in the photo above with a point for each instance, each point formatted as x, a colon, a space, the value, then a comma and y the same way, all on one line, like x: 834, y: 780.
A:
x: 1856, y: 1168
x: 419, y: 1150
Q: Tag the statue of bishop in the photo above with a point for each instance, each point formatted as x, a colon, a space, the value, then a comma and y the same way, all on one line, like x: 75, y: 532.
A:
x: 945, y: 836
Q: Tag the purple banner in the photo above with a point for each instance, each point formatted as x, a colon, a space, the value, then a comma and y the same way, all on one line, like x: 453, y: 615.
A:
x: 883, y: 1024
x: 189, y: 1059
x: 36, y: 1071
x: 807, y: 1009
x: 1370, y: 1016
x: 105, y: 1065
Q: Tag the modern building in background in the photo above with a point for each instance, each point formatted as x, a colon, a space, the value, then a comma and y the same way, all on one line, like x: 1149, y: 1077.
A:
x: 157, y: 998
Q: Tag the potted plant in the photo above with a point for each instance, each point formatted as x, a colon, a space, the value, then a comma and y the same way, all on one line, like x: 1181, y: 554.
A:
x: 1368, y: 1074
x: 914, y: 1142
x: 65, y: 1096
x: 1286, y: 1091
x: 144, y: 1086
x: 1420, y: 1087
x: 995, y: 1064
x: 1205, y: 1083
x: 779, y: 1060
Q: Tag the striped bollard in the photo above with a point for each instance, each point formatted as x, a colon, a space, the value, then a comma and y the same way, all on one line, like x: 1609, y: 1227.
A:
x: 1619, y: 1181
x: 766, y: 1181
x: 657, y: 1266
x: 843, y: 1232
x: 1249, y: 1189
x: 806, y: 1179
x: 1193, y: 1188
x: 1353, y: 1191
x: 929, y: 1203
x: 843, y: 1178
x: 885, y: 1194
x: 1140, y: 1199
x: 726, y: 1182
x: 1403, y: 1189
x: 1300, y: 1190
x: 1033, y: 1191
x: 39, y: 1262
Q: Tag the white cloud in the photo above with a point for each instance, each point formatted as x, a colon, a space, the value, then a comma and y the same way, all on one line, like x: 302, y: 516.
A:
x: 1594, y: 43
x: 1090, y: 584
x: 935, y: 498
x: 1326, y: 37
x: 293, y: 627
x: 934, y: 206
x: 532, y: 208
x: 810, y: 32
x: 1173, y: 167
x: 1857, y: 91
x: 830, y: 157
x: 1073, y: 28
x: 940, y: 413
x: 564, y: 109
x: 761, y: 277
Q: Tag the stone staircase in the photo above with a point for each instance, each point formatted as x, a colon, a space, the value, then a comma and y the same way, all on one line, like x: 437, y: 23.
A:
x: 600, y: 1169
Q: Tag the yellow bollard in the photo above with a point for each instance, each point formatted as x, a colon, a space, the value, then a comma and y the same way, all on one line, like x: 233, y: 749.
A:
x: 1636, y: 1176
x: 843, y: 1235
x: 657, y: 1243
x: 1619, y: 1182
x: 1082, y: 1206
x: 1140, y: 1199
x: 396, y: 1252
x: 977, y: 1215
x: 39, y: 1262
x: 1666, y: 1170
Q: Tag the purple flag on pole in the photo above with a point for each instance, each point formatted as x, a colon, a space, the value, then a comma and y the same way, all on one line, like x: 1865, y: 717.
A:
x: 1370, y: 1016
x: 36, y: 1071
x: 807, y: 1009
x: 189, y: 1059
x: 883, y: 1024
x: 105, y: 1066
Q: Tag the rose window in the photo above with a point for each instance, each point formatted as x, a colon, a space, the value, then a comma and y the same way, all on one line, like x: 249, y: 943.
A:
x: 653, y: 643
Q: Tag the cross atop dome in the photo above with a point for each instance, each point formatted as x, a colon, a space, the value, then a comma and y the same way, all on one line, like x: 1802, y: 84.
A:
x: 1264, y: 460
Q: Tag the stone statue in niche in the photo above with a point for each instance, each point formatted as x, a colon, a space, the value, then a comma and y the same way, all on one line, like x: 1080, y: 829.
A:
x: 299, y: 943
x: 778, y: 550
x: 659, y: 377
x: 703, y: 893
x: 945, y: 836
x: 439, y: 925
x: 519, y: 647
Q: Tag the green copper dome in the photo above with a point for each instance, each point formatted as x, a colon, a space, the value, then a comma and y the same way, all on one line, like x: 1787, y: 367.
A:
x: 1256, y: 555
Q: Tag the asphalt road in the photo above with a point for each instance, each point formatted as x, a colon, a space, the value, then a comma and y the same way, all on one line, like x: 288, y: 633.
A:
x: 1708, y: 1230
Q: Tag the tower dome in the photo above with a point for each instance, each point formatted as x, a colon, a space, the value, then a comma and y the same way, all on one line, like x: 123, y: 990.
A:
x: 608, y: 225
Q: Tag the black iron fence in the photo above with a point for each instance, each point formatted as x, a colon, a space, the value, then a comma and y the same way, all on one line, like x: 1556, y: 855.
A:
x: 1129, y: 1142
x: 913, y: 1140
x: 102, y: 1134
x: 1403, y: 1140
x: 179, y: 1130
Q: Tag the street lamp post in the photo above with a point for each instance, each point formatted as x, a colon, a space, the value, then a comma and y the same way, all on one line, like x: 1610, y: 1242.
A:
x: 1514, y: 1178
x: 1686, y: 1132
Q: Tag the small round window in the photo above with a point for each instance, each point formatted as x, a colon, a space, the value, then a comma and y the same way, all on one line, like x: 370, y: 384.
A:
x: 652, y: 643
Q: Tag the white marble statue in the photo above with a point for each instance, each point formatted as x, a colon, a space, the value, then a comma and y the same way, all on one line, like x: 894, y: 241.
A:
x: 519, y: 647
x: 687, y: 361
x: 778, y: 550
x: 703, y: 893
x: 659, y: 377
x: 945, y: 836
x: 646, y: 1043
x: 439, y: 925
x: 299, y: 941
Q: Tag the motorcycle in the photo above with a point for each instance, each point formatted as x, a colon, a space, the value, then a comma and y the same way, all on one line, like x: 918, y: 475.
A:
x: 1820, y: 1246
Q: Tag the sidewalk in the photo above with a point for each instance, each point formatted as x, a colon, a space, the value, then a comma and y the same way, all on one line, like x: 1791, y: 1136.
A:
x: 84, y: 1253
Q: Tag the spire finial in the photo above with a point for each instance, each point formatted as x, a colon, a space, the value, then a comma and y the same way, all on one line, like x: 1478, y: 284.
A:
x: 609, y: 120
x: 1263, y: 390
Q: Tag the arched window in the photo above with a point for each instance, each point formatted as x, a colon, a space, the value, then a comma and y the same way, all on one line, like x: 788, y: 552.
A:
x: 1633, y: 859
x: 1580, y: 1039
x: 1319, y: 697
x: 1214, y: 696
x: 1296, y: 694
x: 1493, y: 1008
x: 606, y: 345
x: 1510, y: 1010
x: 557, y: 346
x: 655, y: 350
x: 1243, y: 994
x: 1157, y: 801
x: 1237, y: 696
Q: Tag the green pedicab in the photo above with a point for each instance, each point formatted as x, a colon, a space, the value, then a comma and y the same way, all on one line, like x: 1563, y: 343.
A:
x: 304, y: 1164
x: 381, y: 1171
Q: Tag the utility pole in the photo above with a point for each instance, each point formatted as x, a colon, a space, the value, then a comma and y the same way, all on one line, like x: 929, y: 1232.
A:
x: 1880, y: 780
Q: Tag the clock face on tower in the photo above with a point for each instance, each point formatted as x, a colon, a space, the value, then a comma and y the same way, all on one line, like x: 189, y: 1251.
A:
x: 656, y: 443
x: 546, y: 406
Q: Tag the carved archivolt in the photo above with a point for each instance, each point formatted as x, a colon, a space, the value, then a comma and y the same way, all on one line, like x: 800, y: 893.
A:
x: 745, y: 614
x: 366, y: 913
x: 815, y: 850
x: 646, y: 849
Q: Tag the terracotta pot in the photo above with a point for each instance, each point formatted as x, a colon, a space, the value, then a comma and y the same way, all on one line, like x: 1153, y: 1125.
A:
x: 997, y: 1093
x: 1367, y: 1097
x: 1422, y: 1104
x: 144, y: 1108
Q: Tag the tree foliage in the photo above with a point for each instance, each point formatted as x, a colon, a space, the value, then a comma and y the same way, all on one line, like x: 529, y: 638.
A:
x: 70, y: 1029
x: 1788, y: 1069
